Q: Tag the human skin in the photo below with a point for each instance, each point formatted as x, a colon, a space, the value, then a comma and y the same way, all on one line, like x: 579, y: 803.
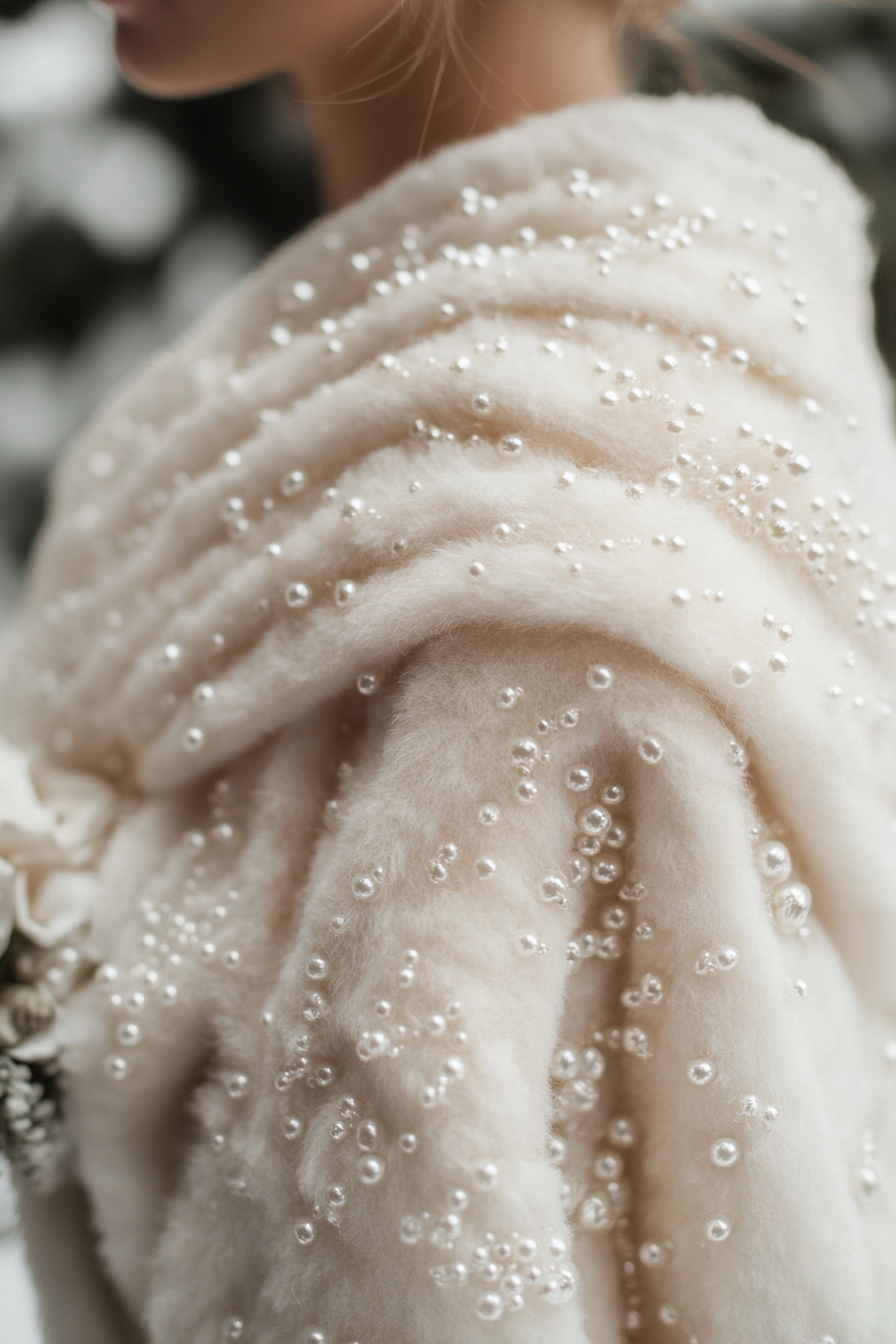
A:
x: 380, y: 82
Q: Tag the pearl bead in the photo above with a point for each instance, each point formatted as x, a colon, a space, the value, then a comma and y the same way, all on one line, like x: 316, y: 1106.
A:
x: 790, y: 907
x: 485, y: 1176
x: 651, y: 1254
x: 297, y: 595
x: 774, y: 861
x: 717, y: 1229
x: 559, y: 1286
x: 527, y: 943
x: 490, y: 1307
x: 553, y: 889
x: 741, y: 673
x: 724, y: 1152
x: 599, y: 678
x: 363, y: 887
x: 621, y: 1132
x: 594, y: 821
x: 869, y: 1180
x: 292, y: 483
x: 607, y: 870
x: 650, y: 750
x: 579, y: 778
x: 318, y: 967
x: 616, y: 837
x: 595, y: 1213
x: 371, y: 1170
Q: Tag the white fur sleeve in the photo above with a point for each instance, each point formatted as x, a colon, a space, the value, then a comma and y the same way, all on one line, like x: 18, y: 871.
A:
x: 414, y: 1030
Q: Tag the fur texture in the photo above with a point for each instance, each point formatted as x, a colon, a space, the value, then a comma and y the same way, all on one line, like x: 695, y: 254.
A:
x: 331, y: 591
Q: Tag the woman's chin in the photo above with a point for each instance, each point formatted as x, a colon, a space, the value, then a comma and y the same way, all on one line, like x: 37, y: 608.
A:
x: 164, y: 71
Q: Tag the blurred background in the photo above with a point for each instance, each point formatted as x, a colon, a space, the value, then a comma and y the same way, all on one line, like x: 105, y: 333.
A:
x: 122, y: 219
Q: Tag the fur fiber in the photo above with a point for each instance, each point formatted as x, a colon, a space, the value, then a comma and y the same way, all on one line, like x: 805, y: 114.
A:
x: 614, y: 318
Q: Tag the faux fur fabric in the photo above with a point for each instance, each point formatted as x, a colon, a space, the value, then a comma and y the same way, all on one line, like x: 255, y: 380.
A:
x: 487, y: 617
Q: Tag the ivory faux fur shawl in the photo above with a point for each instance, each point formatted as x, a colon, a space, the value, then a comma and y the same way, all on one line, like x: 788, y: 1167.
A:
x: 487, y: 618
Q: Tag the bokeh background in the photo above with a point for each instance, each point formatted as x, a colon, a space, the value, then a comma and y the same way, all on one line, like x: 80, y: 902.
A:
x: 123, y: 218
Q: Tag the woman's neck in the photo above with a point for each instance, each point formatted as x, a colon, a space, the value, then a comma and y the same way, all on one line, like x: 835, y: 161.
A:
x: 508, y: 58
